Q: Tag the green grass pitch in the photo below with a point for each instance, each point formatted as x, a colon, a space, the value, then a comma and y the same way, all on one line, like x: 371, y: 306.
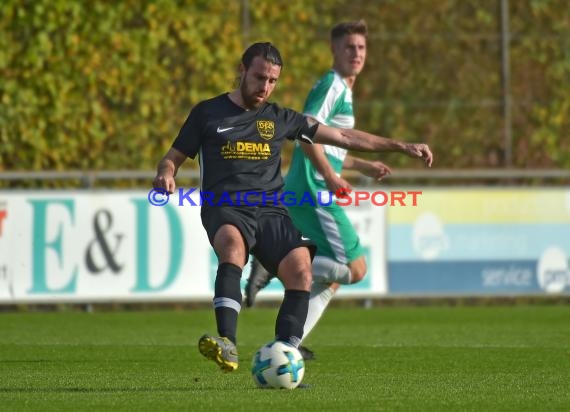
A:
x: 434, y: 358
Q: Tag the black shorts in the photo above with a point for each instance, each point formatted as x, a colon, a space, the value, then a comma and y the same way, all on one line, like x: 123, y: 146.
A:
x: 268, y: 231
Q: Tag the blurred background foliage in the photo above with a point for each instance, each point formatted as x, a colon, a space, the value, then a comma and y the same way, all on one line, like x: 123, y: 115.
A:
x: 106, y: 85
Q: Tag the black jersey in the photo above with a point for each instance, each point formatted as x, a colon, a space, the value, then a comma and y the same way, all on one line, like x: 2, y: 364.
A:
x: 239, y: 150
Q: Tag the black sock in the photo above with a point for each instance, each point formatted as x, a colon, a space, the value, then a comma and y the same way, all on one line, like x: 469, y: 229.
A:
x: 227, y: 299
x: 292, y: 316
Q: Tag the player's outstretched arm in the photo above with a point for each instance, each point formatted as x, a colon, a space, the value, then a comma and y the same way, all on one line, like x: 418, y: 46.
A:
x: 366, y: 142
x: 167, y: 169
x: 374, y: 169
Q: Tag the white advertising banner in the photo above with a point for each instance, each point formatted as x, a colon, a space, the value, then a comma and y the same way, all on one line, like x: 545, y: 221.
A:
x: 116, y: 246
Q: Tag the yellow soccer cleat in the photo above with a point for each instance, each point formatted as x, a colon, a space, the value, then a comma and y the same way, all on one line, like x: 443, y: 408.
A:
x: 220, y: 350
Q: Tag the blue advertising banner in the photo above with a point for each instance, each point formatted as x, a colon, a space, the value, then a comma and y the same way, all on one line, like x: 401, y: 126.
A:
x: 481, y: 241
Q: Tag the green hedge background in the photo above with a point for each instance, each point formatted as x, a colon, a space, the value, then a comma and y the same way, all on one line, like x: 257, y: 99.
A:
x: 106, y: 85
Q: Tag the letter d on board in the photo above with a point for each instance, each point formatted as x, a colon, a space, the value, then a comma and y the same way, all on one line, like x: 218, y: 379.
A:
x: 174, y: 259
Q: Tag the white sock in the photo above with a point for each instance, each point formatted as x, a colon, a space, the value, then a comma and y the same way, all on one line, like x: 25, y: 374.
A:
x: 327, y: 270
x: 321, y: 295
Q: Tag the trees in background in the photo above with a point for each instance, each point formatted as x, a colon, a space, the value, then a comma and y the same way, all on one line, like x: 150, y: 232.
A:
x: 107, y: 85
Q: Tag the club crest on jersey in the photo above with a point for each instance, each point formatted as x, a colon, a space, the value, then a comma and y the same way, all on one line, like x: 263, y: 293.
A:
x: 266, y: 128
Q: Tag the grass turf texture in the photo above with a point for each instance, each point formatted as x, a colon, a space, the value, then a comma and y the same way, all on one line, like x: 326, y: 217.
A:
x: 396, y: 358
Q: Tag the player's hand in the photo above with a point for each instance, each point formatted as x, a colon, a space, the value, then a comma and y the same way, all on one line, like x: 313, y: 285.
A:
x: 376, y: 170
x: 421, y: 151
x: 335, y: 183
x: 165, y: 182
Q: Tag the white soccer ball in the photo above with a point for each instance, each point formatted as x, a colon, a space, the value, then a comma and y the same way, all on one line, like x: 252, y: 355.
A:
x: 278, y: 365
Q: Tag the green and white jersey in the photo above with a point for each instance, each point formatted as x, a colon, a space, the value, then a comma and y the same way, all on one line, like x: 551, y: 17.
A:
x: 330, y: 102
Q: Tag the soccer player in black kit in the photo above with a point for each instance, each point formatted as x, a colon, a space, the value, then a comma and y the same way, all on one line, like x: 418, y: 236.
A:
x: 238, y: 136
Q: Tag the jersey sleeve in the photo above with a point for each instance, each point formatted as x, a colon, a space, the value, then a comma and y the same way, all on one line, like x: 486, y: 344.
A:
x: 321, y: 100
x: 299, y: 126
x: 189, y: 137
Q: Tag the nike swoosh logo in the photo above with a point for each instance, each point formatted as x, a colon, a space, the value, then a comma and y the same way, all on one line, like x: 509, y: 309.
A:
x: 304, y: 238
x: 225, y: 129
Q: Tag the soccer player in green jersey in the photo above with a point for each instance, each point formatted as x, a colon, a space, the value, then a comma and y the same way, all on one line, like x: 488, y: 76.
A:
x: 317, y: 168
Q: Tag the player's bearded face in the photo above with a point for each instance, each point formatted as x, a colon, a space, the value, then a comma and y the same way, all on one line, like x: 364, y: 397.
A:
x: 349, y: 54
x: 258, y: 82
